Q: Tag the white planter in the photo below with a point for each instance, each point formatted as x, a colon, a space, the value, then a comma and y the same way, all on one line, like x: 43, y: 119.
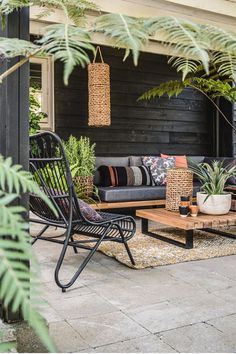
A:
x: 218, y: 204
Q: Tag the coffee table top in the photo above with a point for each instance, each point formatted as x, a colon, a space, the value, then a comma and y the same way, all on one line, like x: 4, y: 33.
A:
x: 201, y: 221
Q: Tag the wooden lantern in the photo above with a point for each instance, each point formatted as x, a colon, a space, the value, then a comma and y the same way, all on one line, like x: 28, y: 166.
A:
x: 99, y: 105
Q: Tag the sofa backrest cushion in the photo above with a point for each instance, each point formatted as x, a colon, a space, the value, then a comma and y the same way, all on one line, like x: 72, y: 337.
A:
x: 112, y: 161
x: 135, y: 160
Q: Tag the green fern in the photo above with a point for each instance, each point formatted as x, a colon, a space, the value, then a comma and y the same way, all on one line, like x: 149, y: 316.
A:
x: 170, y: 88
x: 68, y: 44
x: 127, y: 32
x: 17, y: 282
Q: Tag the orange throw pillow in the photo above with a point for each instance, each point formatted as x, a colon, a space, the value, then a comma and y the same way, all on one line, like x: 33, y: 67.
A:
x: 180, y: 161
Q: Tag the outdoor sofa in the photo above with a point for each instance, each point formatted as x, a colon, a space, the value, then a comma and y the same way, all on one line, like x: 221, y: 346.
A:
x: 125, y: 195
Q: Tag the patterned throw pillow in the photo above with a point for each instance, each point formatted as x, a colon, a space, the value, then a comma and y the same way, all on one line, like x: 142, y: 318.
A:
x: 158, y: 167
x: 124, y: 176
x: 180, y: 160
x: 88, y: 212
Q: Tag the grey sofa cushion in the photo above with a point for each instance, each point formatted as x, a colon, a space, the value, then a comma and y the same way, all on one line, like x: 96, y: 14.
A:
x: 194, y: 159
x: 135, y: 160
x: 112, y: 161
x: 126, y: 194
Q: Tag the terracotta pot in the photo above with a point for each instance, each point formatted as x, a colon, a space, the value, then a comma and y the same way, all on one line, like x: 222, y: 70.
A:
x: 218, y: 204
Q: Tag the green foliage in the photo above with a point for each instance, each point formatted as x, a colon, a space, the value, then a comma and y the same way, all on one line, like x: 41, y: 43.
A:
x: 13, y: 47
x: 35, y: 114
x: 213, y: 178
x: 170, y: 88
x: 184, y: 37
x: 189, y: 42
x: 213, y: 88
x: 124, y: 31
x: 81, y: 156
x: 17, y: 282
x: 69, y: 44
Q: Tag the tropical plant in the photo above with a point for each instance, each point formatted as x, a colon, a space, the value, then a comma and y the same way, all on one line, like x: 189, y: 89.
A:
x: 35, y: 113
x: 19, y: 285
x: 209, y: 87
x: 191, y: 44
x: 213, y: 177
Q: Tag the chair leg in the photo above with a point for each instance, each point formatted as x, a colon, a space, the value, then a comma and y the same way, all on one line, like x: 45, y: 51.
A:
x: 82, y: 266
x: 126, y: 245
x: 74, y: 248
x: 129, y: 252
x: 39, y: 234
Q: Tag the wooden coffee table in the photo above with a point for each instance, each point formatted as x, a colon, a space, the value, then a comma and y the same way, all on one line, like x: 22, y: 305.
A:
x: 203, y: 222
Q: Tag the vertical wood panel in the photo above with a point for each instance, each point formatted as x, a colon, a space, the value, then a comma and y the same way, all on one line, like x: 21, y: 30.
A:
x: 14, y: 107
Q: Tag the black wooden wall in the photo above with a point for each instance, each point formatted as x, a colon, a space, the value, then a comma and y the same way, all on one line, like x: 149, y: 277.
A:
x: 14, y: 112
x: 177, y: 125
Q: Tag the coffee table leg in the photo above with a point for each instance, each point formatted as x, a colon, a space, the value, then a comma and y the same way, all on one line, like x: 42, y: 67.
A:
x: 189, y: 239
x: 144, y: 225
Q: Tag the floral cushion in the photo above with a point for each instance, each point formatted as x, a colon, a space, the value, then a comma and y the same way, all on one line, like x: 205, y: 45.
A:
x: 88, y: 212
x: 158, y: 167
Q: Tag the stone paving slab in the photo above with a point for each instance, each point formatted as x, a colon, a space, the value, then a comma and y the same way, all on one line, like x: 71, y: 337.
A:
x: 146, y: 344
x: 200, y: 337
x: 181, y: 312
x: 107, y: 328
x: 66, y: 338
x: 82, y: 306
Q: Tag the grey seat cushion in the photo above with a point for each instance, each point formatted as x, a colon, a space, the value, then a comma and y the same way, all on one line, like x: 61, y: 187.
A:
x: 126, y: 194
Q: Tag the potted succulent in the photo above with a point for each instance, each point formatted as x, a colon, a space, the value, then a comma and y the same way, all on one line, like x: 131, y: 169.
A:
x: 212, y: 198
x: 81, y: 157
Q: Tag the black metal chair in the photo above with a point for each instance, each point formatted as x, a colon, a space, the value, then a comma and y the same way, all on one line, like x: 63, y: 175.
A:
x: 50, y: 168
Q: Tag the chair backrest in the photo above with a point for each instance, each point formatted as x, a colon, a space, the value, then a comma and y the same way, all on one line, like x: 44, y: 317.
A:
x: 50, y: 168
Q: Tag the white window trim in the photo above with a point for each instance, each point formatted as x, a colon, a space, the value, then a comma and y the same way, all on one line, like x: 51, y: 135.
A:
x: 47, y: 91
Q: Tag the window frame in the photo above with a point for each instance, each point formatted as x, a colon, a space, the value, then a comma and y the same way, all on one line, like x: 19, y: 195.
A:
x: 47, y: 64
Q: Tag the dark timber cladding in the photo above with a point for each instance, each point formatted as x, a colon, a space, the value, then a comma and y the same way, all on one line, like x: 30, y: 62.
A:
x: 177, y: 125
x: 14, y: 106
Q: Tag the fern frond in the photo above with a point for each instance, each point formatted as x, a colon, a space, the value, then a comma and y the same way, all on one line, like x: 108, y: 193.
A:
x: 215, y: 88
x: 170, y: 88
x: 12, y: 47
x: 219, y: 39
x: 184, y: 65
x: 8, y: 6
x: 13, y: 177
x: 125, y: 32
x: 184, y: 37
x: 225, y: 63
x: 15, y: 249
x: 68, y: 44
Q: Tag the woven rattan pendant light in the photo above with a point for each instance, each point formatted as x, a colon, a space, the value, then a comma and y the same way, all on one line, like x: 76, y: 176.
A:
x: 99, y: 106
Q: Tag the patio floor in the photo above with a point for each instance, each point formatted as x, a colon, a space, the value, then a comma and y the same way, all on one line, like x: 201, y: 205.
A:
x: 187, y: 307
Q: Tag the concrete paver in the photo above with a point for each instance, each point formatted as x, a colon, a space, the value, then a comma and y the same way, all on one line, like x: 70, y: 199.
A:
x: 187, y: 307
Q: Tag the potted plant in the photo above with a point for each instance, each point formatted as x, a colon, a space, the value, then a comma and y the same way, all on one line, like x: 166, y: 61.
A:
x: 81, y: 157
x: 212, y: 198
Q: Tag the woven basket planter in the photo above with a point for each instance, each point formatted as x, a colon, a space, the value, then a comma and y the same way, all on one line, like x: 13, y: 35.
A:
x: 84, y: 185
x: 99, y: 105
x: 179, y: 183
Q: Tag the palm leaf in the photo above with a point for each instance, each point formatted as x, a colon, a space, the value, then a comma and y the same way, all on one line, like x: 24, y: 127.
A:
x: 68, y: 44
x: 126, y: 32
